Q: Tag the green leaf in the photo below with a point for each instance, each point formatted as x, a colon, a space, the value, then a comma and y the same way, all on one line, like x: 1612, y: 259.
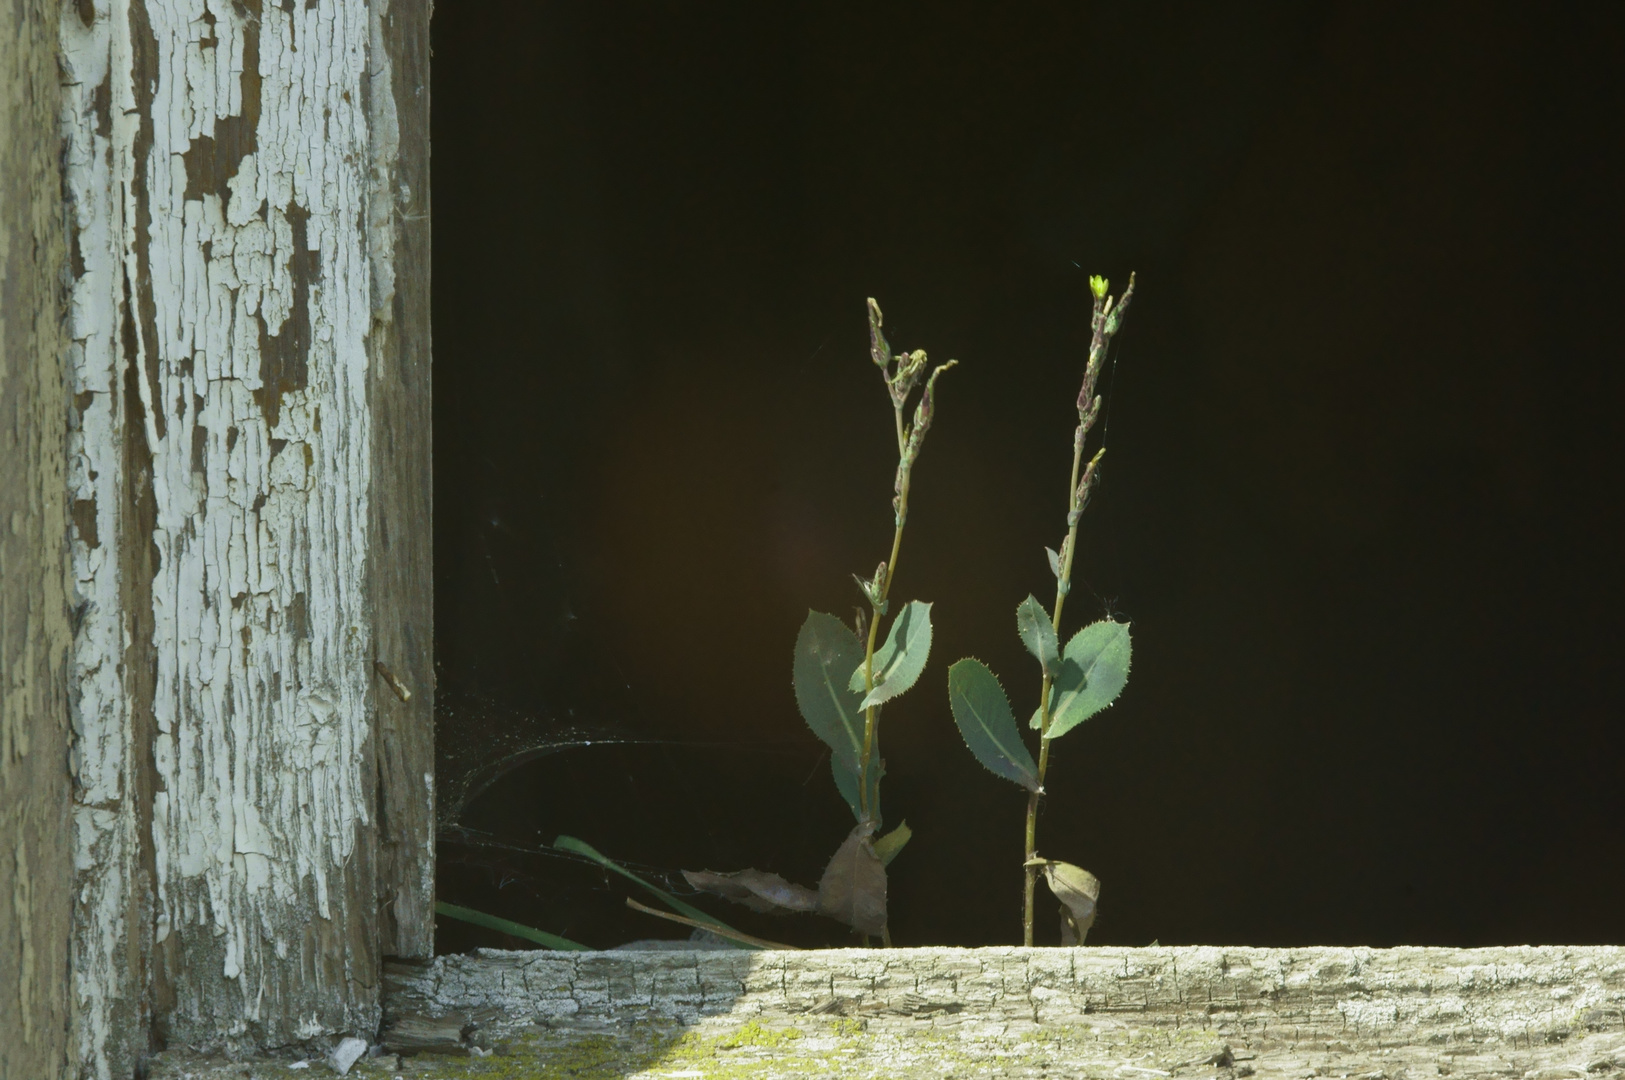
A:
x: 983, y: 715
x: 846, y: 782
x: 581, y: 847
x: 1038, y: 634
x: 1054, y: 562
x: 893, y: 842
x: 826, y: 648
x: 1094, y: 671
x: 519, y: 930
x: 898, y: 663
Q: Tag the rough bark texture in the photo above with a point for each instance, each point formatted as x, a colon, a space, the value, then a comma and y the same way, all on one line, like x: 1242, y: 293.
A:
x: 36, y: 856
x: 402, y: 557
x: 1131, y: 1014
x: 227, y: 356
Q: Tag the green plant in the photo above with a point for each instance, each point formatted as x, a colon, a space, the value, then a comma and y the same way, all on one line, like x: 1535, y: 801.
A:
x: 691, y: 916
x: 1078, y: 681
x: 839, y: 675
x: 842, y: 680
x: 507, y: 926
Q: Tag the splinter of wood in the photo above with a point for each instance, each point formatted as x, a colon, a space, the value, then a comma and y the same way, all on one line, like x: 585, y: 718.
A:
x: 395, y: 684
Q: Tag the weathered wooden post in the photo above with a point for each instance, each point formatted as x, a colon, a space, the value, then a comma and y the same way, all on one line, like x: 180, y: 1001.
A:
x: 227, y: 444
x: 36, y: 851
x: 216, y: 791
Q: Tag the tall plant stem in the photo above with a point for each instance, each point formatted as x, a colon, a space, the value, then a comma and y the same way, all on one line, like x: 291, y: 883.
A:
x: 1063, y: 585
x: 1107, y: 317
x: 871, y: 715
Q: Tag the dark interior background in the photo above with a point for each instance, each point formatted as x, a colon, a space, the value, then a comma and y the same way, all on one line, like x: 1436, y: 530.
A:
x: 1362, y: 502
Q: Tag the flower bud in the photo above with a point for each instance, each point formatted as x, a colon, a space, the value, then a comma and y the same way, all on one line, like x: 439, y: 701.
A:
x: 879, y: 348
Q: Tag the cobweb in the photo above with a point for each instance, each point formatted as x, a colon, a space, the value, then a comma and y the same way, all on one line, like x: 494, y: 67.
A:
x: 653, y: 805
x: 479, y: 740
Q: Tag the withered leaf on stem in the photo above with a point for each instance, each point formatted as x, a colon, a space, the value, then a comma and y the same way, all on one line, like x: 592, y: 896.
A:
x: 1078, y: 891
x: 853, y: 888
x: 756, y: 889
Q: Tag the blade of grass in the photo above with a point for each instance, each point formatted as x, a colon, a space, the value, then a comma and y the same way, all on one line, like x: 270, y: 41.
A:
x: 720, y: 931
x: 519, y: 930
x: 581, y: 847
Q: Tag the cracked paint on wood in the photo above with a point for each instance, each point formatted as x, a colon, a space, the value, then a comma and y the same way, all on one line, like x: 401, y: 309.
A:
x: 98, y: 128
x: 220, y: 170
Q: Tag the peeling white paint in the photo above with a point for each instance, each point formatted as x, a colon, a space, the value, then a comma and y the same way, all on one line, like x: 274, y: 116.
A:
x: 97, y: 159
x: 386, y: 151
x: 262, y: 638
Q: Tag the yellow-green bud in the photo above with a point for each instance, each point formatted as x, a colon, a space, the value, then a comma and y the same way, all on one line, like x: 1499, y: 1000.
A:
x: 1097, y: 285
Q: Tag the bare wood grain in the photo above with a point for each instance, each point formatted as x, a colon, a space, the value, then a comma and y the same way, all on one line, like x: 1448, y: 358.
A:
x: 36, y: 856
x: 402, y: 558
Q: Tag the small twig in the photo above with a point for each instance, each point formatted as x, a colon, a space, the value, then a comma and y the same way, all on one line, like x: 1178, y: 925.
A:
x: 719, y: 931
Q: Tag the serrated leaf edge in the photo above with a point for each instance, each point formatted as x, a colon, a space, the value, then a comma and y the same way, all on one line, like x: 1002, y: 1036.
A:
x: 1050, y: 663
x: 1127, y: 670
x: 1033, y: 770
x: 830, y: 689
x: 882, y: 686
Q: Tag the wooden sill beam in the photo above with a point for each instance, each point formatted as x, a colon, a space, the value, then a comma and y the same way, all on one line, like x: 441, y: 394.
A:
x: 1539, y: 1013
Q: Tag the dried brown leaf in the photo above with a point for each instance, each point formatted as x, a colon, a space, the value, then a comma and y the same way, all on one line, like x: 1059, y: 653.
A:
x: 853, y: 888
x: 1078, y: 891
x: 756, y: 889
